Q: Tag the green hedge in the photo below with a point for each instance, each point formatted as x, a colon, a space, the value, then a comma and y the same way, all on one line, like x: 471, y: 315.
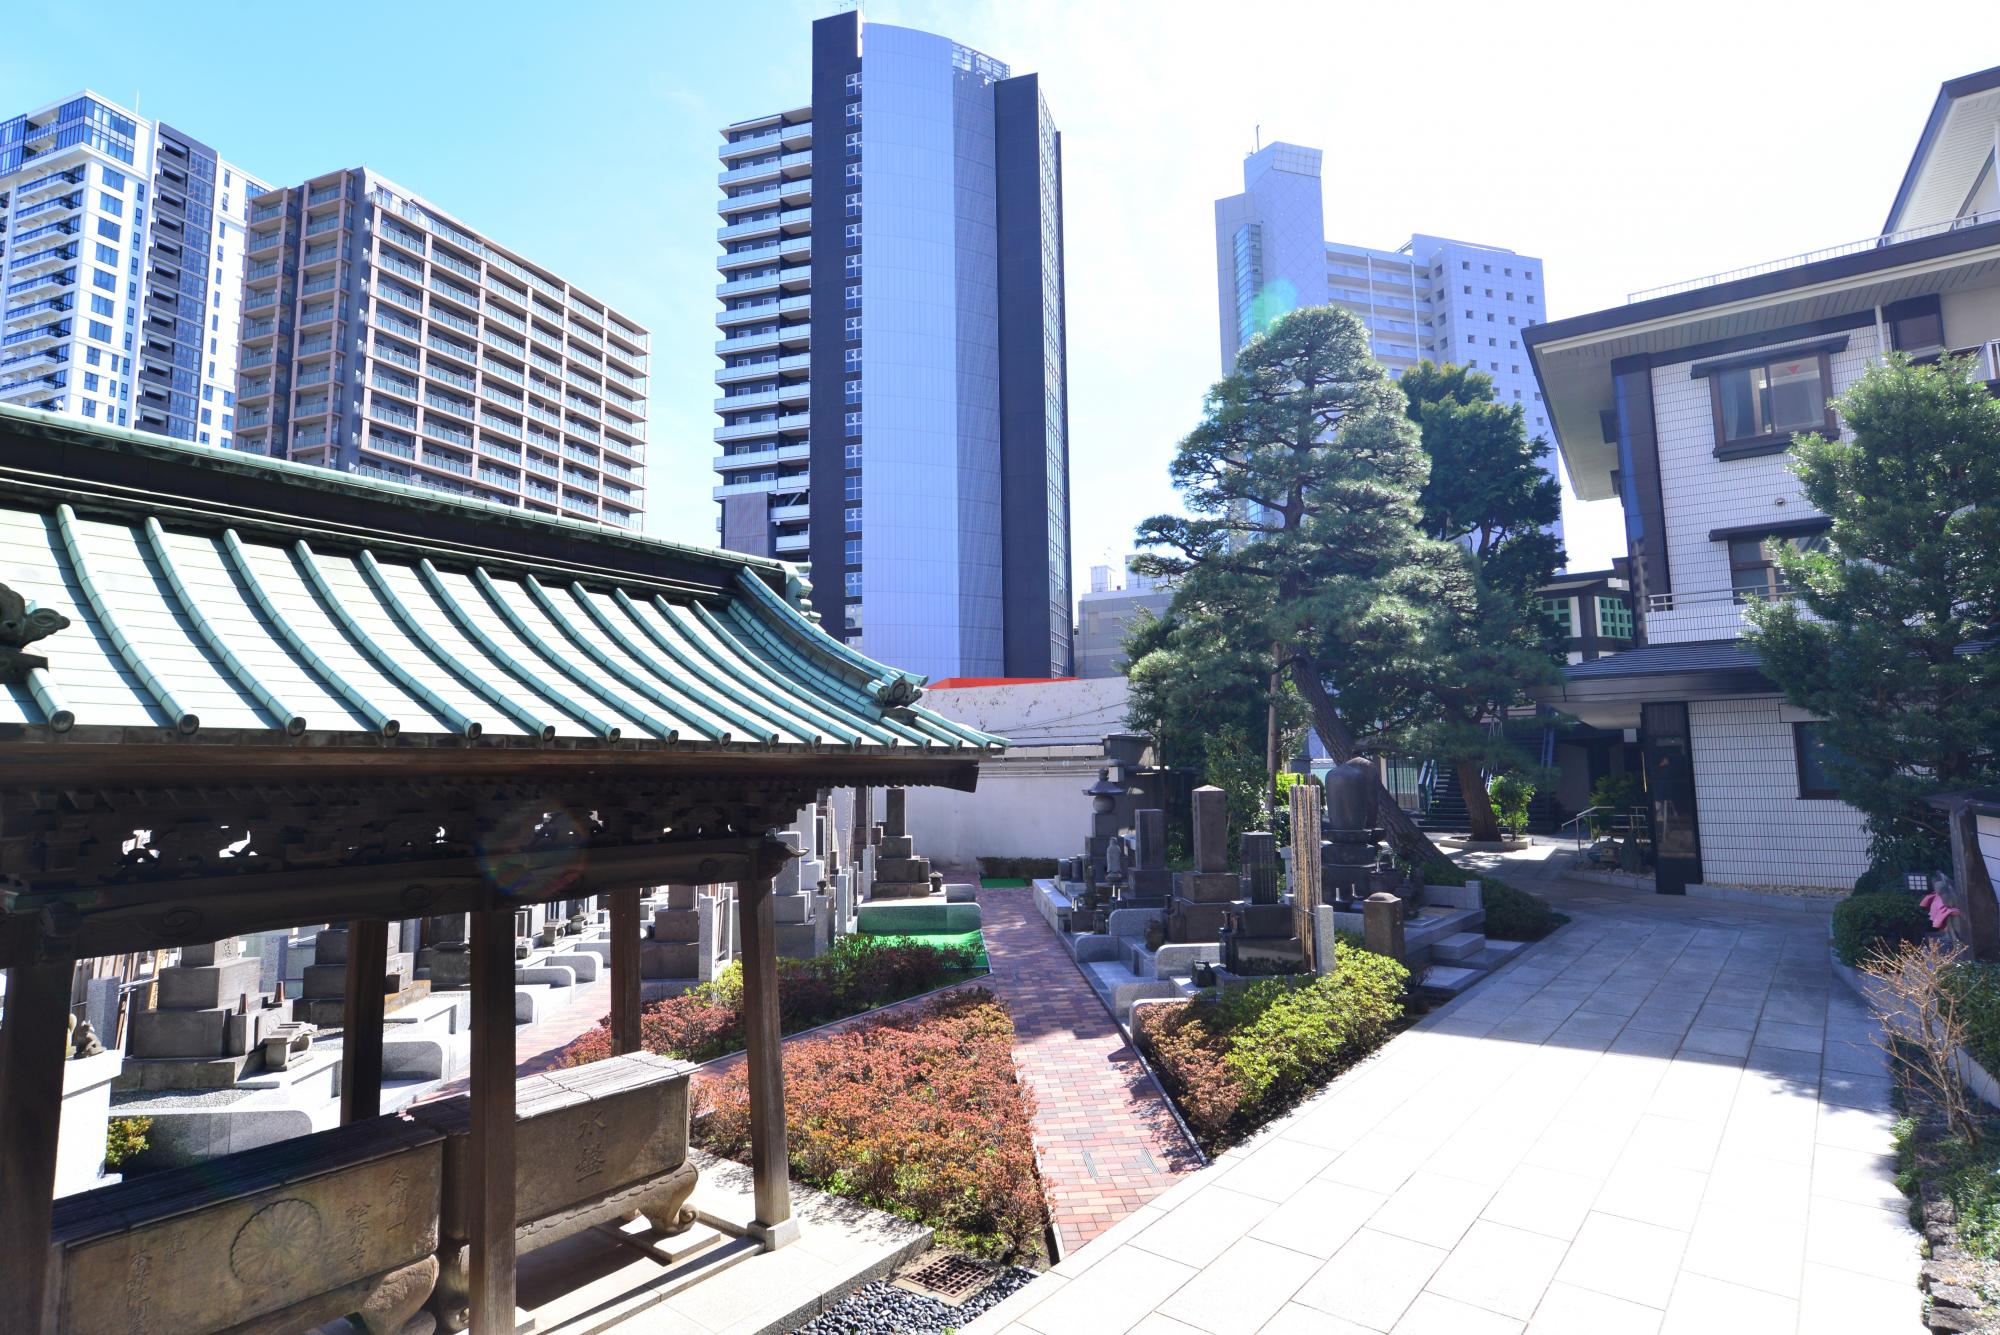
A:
x: 1233, y: 1060
x: 1861, y: 923
x: 1976, y: 989
x: 1026, y: 869
x: 1516, y: 915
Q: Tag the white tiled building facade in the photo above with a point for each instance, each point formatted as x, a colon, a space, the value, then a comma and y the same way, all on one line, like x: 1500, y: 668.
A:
x: 1684, y: 405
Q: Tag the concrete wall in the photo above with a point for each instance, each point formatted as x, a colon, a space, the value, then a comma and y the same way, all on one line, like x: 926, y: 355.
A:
x: 1029, y: 803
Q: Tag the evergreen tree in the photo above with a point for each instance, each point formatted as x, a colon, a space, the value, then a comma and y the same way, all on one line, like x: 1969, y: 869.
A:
x: 1301, y: 555
x: 1890, y: 635
x: 1488, y: 494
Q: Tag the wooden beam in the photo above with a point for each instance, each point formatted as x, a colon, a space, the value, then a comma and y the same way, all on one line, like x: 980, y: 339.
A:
x: 361, y: 1020
x: 625, y: 992
x: 492, y: 1140
x: 34, y: 1043
x: 764, y: 1061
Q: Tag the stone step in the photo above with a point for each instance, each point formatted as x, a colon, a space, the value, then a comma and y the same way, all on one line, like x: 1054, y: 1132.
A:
x: 1450, y: 980
x: 1459, y: 946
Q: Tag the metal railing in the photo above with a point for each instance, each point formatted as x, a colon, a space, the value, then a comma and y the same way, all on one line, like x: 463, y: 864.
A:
x: 1603, y: 819
x: 1813, y: 256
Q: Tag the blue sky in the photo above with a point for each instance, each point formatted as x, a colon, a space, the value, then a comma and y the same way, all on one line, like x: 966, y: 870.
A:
x: 1627, y: 146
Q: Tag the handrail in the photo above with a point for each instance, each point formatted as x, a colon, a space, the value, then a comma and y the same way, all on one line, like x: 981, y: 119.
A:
x: 1633, y: 816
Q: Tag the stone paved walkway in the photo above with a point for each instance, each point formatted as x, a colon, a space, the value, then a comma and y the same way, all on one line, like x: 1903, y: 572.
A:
x: 1105, y: 1139
x: 538, y: 1045
x: 1667, y: 1118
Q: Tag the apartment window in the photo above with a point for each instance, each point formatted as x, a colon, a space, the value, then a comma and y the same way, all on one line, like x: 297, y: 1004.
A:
x: 854, y: 143
x: 92, y: 356
x: 852, y: 299
x: 1558, y: 611
x: 854, y: 204
x: 853, y: 551
x: 229, y: 398
x: 1515, y: 369
x: 1759, y: 403
x: 1514, y: 343
x: 853, y: 519
x: 90, y: 407
x: 853, y: 327
x: 102, y: 306
x: 1508, y: 273
x: 851, y: 456
x: 1614, y: 618
x: 1493, y: 366
x: 1468, y: 315
x: 107, y: 228
x: 1513, y: 319
x: 1467, y: 289
x: 1528, y: 274
x: 1489, y: 291
x: 208, y: 393
x: 1531, y: 298
x: 854, y: 113
x: 1492, y: 342
x: 853, y: 83
x: 1816, y: 759
x: 851, y: 392
x: 852, y: 175
x: 853, y: 583
x: 1486, y: 268
x: 853, y: 235
x: 100, y: 331
x: 107, y: 281
x: 111, y: 204
x: 208, y: 417
x: 90, y: 381
x: 1753, y: 568
x: 1510, y: 296
x: 1465, y: 264
x: 851, y: 487
x: 851, y: 359
x: 1517, y: 393
x: 854, y: 266
x: 113, y: 180
x: 851, y: 424
x: 106, y: 254
x: 1489, y: 317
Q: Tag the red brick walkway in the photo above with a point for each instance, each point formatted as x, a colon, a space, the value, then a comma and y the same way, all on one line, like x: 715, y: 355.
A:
x: 1105, y: 1139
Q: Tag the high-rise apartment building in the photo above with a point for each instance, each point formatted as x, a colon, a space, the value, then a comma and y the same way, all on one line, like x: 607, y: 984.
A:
x: 384, y: 337
x: 123, y: 260
x: 1432, y: 298
x: 893, y: 386
x: 1107, y: 615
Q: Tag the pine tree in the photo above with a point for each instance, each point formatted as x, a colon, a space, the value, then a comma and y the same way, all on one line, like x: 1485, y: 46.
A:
x: 1890, y: 633
x: 1301, y: 554
x: 1489, y: 495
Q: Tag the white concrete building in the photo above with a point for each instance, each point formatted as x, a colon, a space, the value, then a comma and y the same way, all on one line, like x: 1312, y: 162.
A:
x: 1683, y: 404
x: 123, y: 270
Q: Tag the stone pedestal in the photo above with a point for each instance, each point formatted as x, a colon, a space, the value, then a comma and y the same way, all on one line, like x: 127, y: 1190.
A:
x: 323, y: 992
x: 1382, y: 925
x: 672, y: 948
x: 1205, y: 897
x: 899, y: 872
x: 207, y: 1024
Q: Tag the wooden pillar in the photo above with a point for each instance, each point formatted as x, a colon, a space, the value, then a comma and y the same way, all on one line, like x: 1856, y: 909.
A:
x: 492, y: 1147
x: 361, y: 1020
x: 34, y: 1043
x: 764, y: 1059
x: 625, y: 970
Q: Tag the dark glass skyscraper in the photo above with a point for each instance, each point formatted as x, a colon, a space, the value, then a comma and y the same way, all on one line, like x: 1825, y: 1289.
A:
x: 894, y: 399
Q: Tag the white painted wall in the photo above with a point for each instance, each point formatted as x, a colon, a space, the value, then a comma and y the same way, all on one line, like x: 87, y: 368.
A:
x: 1029, y: 803
x: 1755, y: 828
x: 1702, y: 493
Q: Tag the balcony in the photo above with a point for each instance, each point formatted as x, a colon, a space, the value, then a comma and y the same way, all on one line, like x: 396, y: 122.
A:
x: 388, y: 353
x: 313, y: 315
x: 494, y: 315
x: 500, y: 449
x: 494, y: 367
x: 317, y: 375
x: 792, y: 542
x: 766, y: 458
x: 493, y: 422
x: 34, y: 261
x: 259, y: 242
x: 400, y: 449
x: 536, y: 491
x: 53, y: 181
x: 732, y: 403
x: 767, y: 169
x: 444, y: 431
x: 1697, y: 614
x: 250, y: 361
x: 749, y: 145
x: 546, y: 467
x: 318, y: 343
x: 748, y: 286
x: 447, y: 462
x: 50, y: 207
x: 730, y: 206
x: 409, y: 301
x: 253, y: 330
x: 453, y: 348
x: 451, y: 291
x: 494, y: 477
x: 396, y: 265
x: 395, y: 385
x: 502, y: 395
x: 451, y: 321
x: 449, y: 405
x: 266, y: 209
x: 755, y: 312
x: 258, y: 300
x: 383, y: 412
x: 309, y: 437
x: 42, y: 286
x: 517, y: 346
x: 451, y: 377
x: 323, y: 283
x: 325, y: 224
x: 384, y: 318
x: 452, y: 262
x: 581, y: 504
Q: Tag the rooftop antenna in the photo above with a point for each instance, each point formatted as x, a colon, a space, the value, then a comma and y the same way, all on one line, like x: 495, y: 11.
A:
x: 1260, y: 139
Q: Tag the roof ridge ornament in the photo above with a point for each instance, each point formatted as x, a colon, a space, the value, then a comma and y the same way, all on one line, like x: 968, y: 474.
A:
x: 20, y: 626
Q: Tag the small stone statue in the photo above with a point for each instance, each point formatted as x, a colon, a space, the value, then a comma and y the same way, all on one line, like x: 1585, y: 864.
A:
x: 83, y: 1040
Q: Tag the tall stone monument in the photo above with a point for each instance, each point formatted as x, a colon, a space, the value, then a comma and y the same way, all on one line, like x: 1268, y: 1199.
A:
x: 322, y: 999
x: 209, y: 1024
x: 899, y: 872
x: 1204, y: 897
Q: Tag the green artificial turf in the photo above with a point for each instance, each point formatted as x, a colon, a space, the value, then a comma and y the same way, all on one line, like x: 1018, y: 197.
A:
x: 943, y: 940
x: 1002, y: 882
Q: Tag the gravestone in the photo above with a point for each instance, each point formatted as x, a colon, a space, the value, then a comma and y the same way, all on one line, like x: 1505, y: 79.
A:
x: 322, y: 994
x: 208, y: 1025
x: 446, y: 956
x: 1350, y: 854
x: 672, y: 948
x: 1147, y: 876
x: 1262, y: 913
x: 1204, y: 897
x: 899, y: 872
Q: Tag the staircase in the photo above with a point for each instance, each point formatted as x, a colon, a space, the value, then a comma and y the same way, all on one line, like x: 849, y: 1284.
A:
x: 1447, y: 809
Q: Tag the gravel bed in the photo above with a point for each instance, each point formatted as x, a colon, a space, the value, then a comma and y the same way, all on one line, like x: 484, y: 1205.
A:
x: 883, y: 1309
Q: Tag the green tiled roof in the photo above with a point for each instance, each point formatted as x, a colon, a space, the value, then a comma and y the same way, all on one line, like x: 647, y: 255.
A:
x: 221, y: 620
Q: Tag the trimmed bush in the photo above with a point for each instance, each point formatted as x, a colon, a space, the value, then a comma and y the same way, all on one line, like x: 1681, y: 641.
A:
x: 919, y: 1115
x: 1862, y: 923
x: 1017, y: 869
x: 1976, y: 989
x: 1442, y: 871
x: 1235, y: 1059
x: 1516, y: 915
x: 858, y: 974
x: 124, y: 1139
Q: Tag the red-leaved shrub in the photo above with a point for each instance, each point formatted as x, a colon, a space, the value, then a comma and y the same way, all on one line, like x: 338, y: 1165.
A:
x: 858, y: 974
x: 918, y: 1114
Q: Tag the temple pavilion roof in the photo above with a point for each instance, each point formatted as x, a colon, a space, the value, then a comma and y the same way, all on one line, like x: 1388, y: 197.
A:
x: 211, y: 596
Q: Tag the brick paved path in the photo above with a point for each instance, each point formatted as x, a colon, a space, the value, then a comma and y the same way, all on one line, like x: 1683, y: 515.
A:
x: 1104, y: 1137
x: 537, y: 1045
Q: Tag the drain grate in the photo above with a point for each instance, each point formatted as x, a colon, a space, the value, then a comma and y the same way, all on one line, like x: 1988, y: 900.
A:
x: 950, y: 1278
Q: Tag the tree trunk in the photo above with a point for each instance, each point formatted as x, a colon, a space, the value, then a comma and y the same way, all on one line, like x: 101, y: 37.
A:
x: 1479, y: 813
x: 1405, y: 835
